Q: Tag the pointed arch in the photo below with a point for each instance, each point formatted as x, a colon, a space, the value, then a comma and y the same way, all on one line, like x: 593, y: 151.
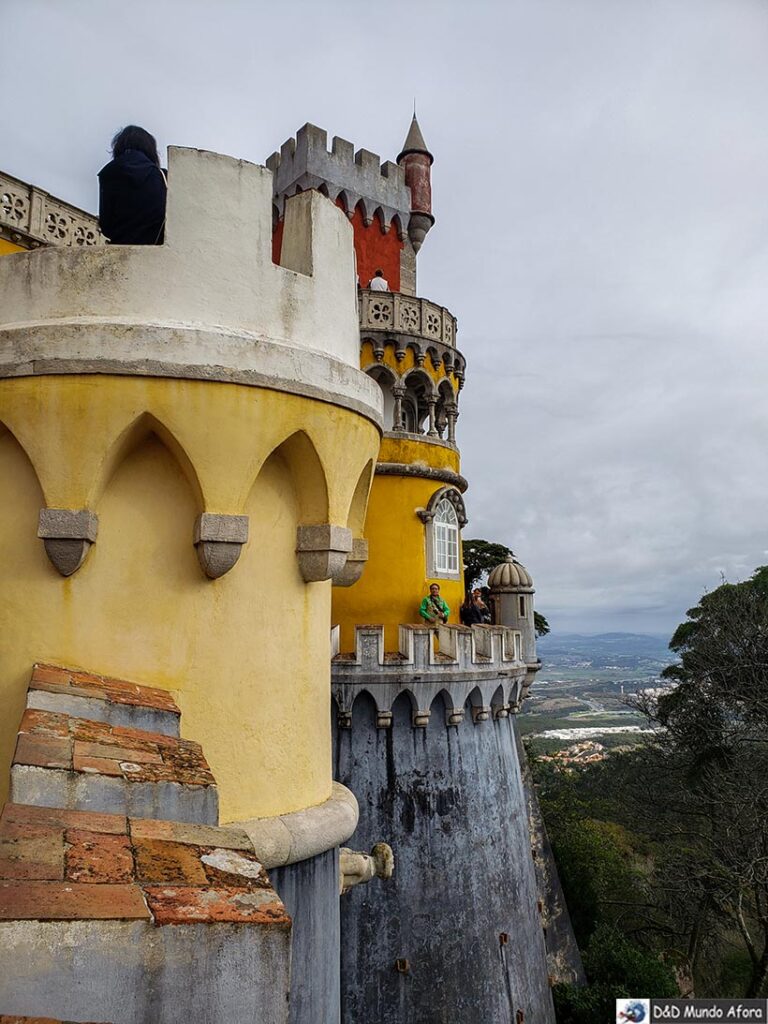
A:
x: 322, y: 188
x: 342, y: 200
x: 359, y: 503
x: 128, y: 440
x: 309, y: 479
x: 386, y: 378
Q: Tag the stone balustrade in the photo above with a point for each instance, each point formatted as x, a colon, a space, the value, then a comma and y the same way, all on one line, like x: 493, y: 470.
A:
x: 31, y: 217
x: 481, y: 664
x: 396, y: 313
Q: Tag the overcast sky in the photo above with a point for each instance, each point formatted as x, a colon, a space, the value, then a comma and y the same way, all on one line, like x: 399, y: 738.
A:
x: 601, y: 194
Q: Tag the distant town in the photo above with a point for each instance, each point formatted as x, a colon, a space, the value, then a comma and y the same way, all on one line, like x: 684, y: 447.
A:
x: 581, y: 706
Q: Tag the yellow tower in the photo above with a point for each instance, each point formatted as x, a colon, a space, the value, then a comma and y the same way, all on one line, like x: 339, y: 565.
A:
x: 186, y: 447
x: 408, y: 347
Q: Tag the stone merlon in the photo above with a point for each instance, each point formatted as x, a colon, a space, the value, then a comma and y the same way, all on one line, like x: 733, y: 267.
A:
x: 305, y: 163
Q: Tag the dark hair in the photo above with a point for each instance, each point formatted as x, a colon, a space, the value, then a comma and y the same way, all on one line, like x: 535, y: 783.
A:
x: 379, y: 273
x: 133, y: 137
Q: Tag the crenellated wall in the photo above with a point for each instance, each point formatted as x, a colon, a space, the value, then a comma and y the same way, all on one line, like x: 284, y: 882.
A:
x: 186, y: 448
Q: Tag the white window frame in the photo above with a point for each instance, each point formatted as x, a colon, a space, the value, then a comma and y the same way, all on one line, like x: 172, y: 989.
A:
x: 444, y: 542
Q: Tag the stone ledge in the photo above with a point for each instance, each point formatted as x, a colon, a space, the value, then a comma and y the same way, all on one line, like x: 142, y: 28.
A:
x: 75, y: 865
x: 289, y: 838
x: 56, y: 679
x: 186, y: 352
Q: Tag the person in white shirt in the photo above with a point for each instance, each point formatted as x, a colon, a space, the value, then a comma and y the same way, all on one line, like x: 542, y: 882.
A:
x: 378, y: 282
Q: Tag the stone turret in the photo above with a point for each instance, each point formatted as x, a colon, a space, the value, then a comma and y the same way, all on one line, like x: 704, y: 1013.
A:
x: 512, y: 593
x: 417, y: 161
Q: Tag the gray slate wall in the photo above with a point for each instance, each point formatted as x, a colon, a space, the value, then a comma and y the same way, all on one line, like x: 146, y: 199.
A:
x: 450, y: 801
x: 310, y: 892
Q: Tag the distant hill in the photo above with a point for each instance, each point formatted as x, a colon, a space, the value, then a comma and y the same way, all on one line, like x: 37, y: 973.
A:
x: 604, y: 650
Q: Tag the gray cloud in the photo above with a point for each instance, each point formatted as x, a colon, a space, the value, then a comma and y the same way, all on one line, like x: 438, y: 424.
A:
x: 602, y: 234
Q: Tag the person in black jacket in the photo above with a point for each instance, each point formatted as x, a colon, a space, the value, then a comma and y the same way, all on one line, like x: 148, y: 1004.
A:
x: 132, y: 190
x: 475, y: 611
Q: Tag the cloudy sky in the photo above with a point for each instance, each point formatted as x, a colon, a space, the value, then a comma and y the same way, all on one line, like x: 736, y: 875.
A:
x: 601, y: 192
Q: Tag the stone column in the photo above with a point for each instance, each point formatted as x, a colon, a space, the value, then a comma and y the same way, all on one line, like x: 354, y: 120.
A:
x: 398, y: 391
x: 452, y: 413
x: 431, y: 404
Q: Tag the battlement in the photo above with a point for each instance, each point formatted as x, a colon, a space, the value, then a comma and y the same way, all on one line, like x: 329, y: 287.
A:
x: 208, y: 303
x: 480, y: 664
x: 305, y: 162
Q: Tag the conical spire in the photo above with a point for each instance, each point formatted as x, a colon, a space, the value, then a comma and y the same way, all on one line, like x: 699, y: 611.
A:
x: 414, y: 142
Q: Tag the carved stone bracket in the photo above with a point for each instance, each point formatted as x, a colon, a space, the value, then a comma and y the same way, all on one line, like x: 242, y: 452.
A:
x: 354, y: 565
x: 322, y: 551
x: 67, y: 534
x: 356, y: 868
x: 219, y: 540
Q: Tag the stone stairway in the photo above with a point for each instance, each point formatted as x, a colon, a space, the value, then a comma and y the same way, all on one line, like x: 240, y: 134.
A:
x: 120, y: 897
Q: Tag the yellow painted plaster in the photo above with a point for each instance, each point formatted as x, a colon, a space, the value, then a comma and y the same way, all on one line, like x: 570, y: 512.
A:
x: 247, y: 656
x: 7, y: 247
x: 395, y: 577
x: 408, y: 362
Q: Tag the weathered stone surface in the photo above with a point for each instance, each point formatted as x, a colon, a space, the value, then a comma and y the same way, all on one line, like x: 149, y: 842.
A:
x: 95, y: 857
x: 65, y: 761
x: 450, y: 801
x: 59, y: 901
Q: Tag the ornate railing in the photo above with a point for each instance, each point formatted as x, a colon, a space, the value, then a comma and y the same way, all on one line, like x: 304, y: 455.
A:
x: 31, y: 217
x: 405, y: 314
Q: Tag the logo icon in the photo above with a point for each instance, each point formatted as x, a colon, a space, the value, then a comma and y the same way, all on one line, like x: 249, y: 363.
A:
x: 632, y: 1011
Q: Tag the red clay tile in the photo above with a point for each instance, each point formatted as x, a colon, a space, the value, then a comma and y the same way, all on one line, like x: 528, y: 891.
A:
x: 70, y: 901
x: 44, y: 723
x: 50, y: 674
x: 56, y: 817
x: 94, y: 857
x: 97, y: 766
x: 43, y: 751
x: 71, y: 691
x: 175, y: 863
x: 184, y: 832
x: 186, y: 905
x: 115, y: 752
x: 31, y: 851
x: 119, y: 691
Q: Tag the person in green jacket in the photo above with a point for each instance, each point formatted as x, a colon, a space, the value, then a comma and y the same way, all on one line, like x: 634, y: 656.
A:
x: 433, y: 608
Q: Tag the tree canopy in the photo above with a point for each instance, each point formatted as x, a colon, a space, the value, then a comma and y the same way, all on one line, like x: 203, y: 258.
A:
x: 668, y: 842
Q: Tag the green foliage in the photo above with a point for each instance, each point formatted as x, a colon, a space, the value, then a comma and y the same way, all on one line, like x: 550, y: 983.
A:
x: 480, y: 556
x: 662, y: 849
x: 616, y: 969
x: 612, y: 959
x: 540, y: 624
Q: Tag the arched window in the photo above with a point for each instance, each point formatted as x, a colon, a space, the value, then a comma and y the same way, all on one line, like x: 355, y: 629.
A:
x: 446, y: 538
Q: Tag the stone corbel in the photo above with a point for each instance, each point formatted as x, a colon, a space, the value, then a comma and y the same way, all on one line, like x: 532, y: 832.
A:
x: 67, y: 534
x: 219, y: 540
x: 354, y: 565
x: 322, y: 551
x: 356, y: 868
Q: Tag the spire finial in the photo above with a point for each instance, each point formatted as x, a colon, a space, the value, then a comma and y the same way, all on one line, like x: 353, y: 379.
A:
x: 414, y: 141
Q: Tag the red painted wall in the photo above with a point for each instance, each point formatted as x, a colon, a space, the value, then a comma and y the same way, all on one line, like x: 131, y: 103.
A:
x: 374, y: 249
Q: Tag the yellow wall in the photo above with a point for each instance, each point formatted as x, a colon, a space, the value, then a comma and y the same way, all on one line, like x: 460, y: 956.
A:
x: 8, y: 247
x: 394, y: 580
x: 247, y: 656
x: 367, y: 359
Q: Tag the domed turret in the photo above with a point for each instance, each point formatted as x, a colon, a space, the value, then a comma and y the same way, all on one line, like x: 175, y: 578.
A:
x: 512, y: 592
x: 510, y: 576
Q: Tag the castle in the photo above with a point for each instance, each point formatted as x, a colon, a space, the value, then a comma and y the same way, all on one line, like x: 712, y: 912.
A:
x: 223, y: 459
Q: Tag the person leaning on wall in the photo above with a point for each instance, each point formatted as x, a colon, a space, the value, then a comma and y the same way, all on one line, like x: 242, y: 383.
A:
x: 132, y: 190
x: 475, y: 611
x: 433, y: 608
